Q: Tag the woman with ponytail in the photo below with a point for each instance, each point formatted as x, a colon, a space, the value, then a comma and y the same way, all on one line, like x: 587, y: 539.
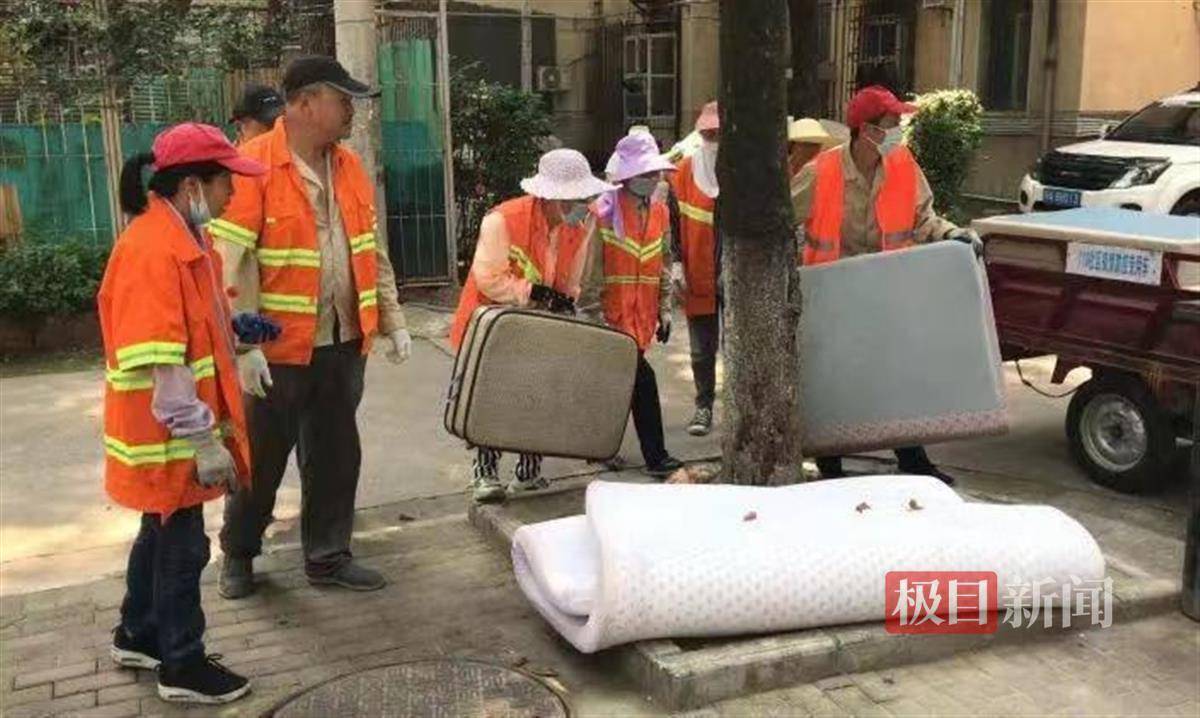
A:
x: 174, y: 430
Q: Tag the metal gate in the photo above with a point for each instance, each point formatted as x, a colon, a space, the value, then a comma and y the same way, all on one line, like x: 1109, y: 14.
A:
x: 415, y: 150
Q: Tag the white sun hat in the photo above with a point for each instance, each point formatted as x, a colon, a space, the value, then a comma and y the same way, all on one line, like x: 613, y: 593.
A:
x: 564, y: 174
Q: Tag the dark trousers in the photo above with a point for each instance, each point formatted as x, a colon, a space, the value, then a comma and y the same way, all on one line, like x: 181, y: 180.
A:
x: 704, y: 335
x: 162, y: 586
x: 911, y: 460
x: 312, y: 409
x: 647, y: 414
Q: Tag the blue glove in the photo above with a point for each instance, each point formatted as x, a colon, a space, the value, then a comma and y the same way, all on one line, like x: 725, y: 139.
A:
x: 255, y: 328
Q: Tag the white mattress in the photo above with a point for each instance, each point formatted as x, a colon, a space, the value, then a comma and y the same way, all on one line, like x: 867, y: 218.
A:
x: 653, y: 561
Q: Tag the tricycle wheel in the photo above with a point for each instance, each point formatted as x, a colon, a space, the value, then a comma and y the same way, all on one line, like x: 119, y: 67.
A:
x: 1120, y: 435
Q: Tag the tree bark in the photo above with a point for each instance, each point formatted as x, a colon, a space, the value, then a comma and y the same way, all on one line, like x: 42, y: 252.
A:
x: 804, y: 90
x: 761, y: 285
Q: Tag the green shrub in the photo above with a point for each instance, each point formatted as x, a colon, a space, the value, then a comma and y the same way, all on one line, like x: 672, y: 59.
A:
x: 39, y: 280
x: 497, y: 141
x: 944, y: 135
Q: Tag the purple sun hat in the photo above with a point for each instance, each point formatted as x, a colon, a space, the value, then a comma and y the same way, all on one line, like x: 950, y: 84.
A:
x: 637, y: 154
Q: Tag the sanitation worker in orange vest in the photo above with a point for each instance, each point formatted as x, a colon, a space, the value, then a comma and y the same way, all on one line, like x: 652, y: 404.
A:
x: 174, y: 432
x: 530, y: 253
x: 870, y: 196
x: 300, y: 245
x: 626, y: 281
x: 256, y: 112
x: 694, y: 271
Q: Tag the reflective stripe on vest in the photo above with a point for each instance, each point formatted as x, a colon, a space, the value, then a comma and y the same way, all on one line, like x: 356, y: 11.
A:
x: 528, y: 269
x: 643, y: 253
x: 230, y: 232
x: 693, y: 212
x: 290, y: 257
x: 362, y: 243
x: 631, y: 279
x: 139, y: 379
x: 161, y: 453
x: 136, y: 355
x: 294, y: 303
x: 368, y: 298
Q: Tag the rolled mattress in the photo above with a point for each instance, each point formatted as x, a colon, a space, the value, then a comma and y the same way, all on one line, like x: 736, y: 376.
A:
x: 655, y: 561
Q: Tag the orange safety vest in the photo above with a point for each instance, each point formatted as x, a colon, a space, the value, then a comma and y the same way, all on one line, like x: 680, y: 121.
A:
x: 161, y: 303
x: 633, y: 269
x: 697, y: 242
x: 272, y: 216
x: 529, y: 242
x: 895, y: 205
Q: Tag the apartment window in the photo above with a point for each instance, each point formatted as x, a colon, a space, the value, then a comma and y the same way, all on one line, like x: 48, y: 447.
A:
x: 650, y: 77
x: 1004, y: 54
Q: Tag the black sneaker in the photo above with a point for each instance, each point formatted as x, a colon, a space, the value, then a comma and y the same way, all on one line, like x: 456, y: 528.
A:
x: 204, y: 681
x: 353, y: 576
x: 128, y: 653
x: 665, y: 468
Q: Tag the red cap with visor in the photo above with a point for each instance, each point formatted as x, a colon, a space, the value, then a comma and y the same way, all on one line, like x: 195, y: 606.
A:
x: 191, y: 143
x: 871, y: 103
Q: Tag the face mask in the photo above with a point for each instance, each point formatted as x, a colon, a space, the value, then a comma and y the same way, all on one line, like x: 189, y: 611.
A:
x: 576, y: 215
x: 710, y: 147
x: 198, y: 212
x: 642, y: 186
x: 891, y: 140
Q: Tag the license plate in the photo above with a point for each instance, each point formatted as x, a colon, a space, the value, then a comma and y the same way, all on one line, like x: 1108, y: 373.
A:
x: 1060, y: 197
x: 1120, y: 263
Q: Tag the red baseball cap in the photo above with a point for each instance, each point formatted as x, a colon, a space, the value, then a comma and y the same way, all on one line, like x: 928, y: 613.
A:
x: 192, y: 142
x: 871, y: 103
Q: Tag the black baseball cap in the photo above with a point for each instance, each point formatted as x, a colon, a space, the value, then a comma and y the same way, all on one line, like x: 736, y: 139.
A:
x: 305, y: 71
x: 258, y: 103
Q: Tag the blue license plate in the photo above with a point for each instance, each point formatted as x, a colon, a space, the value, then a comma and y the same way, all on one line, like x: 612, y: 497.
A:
x: 1060, y: 197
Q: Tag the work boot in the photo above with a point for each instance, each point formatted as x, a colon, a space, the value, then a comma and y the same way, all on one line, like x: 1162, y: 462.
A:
x: 352, y: 576
x: 202, y: 681
x: 237, y: 578
x: 701, y: 423
x: 665, y: 467
x: 487, y: 489
x: 129, y: 653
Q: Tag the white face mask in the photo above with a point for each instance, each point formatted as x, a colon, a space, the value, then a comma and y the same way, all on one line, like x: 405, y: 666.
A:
x: 891, y: 140
x: 198, y: 212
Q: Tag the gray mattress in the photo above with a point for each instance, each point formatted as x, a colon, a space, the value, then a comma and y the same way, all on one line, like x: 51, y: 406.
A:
x: 899, y: 348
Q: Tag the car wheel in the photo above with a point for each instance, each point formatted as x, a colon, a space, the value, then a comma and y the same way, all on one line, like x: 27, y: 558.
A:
x: 1120, y: 435
x: 1188, y: 205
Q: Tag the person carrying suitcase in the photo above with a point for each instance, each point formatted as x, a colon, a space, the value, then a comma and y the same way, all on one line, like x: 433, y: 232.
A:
x: 530, y: 253
x: 626, y: 282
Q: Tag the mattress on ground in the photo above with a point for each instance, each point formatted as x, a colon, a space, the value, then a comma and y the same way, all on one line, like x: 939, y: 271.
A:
x: 1101, y: 225
x: 899, y: 348
x: 696, y: 560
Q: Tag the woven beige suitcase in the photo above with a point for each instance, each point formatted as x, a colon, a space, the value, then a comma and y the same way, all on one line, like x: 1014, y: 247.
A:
x: 541, y: 383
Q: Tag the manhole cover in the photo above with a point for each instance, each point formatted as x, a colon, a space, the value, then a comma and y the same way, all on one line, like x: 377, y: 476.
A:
x: 451, y: 687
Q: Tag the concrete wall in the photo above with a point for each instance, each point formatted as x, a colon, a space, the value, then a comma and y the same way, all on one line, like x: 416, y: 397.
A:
x: 931, y: 51
x: 1134, y: 53
x: 700, y: 68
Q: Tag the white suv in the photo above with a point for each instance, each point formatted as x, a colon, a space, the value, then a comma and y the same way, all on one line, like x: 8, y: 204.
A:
x: 1149, y: 162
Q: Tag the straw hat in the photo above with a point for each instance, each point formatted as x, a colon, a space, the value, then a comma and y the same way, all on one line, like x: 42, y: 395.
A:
x: 807, y: 129
x: 564, y: 174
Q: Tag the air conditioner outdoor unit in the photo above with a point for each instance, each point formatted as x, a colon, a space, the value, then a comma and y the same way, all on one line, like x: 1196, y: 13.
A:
x: 552, y: 78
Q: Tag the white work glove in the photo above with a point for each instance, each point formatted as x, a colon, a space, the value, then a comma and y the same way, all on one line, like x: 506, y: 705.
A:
x: 967, y: 236
x: 398, y: 346
x: 254, y: 372
x: 678, y: 278
x: 214, y: 463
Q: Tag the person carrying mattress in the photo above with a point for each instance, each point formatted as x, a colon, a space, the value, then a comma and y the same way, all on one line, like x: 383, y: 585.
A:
x: 627, y: 284
x: 870, y: 196
x: 530, y: 253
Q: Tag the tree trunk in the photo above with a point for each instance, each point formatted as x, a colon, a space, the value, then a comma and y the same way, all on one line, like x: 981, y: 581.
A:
x: 804, y: 90
x: 761, y: 284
